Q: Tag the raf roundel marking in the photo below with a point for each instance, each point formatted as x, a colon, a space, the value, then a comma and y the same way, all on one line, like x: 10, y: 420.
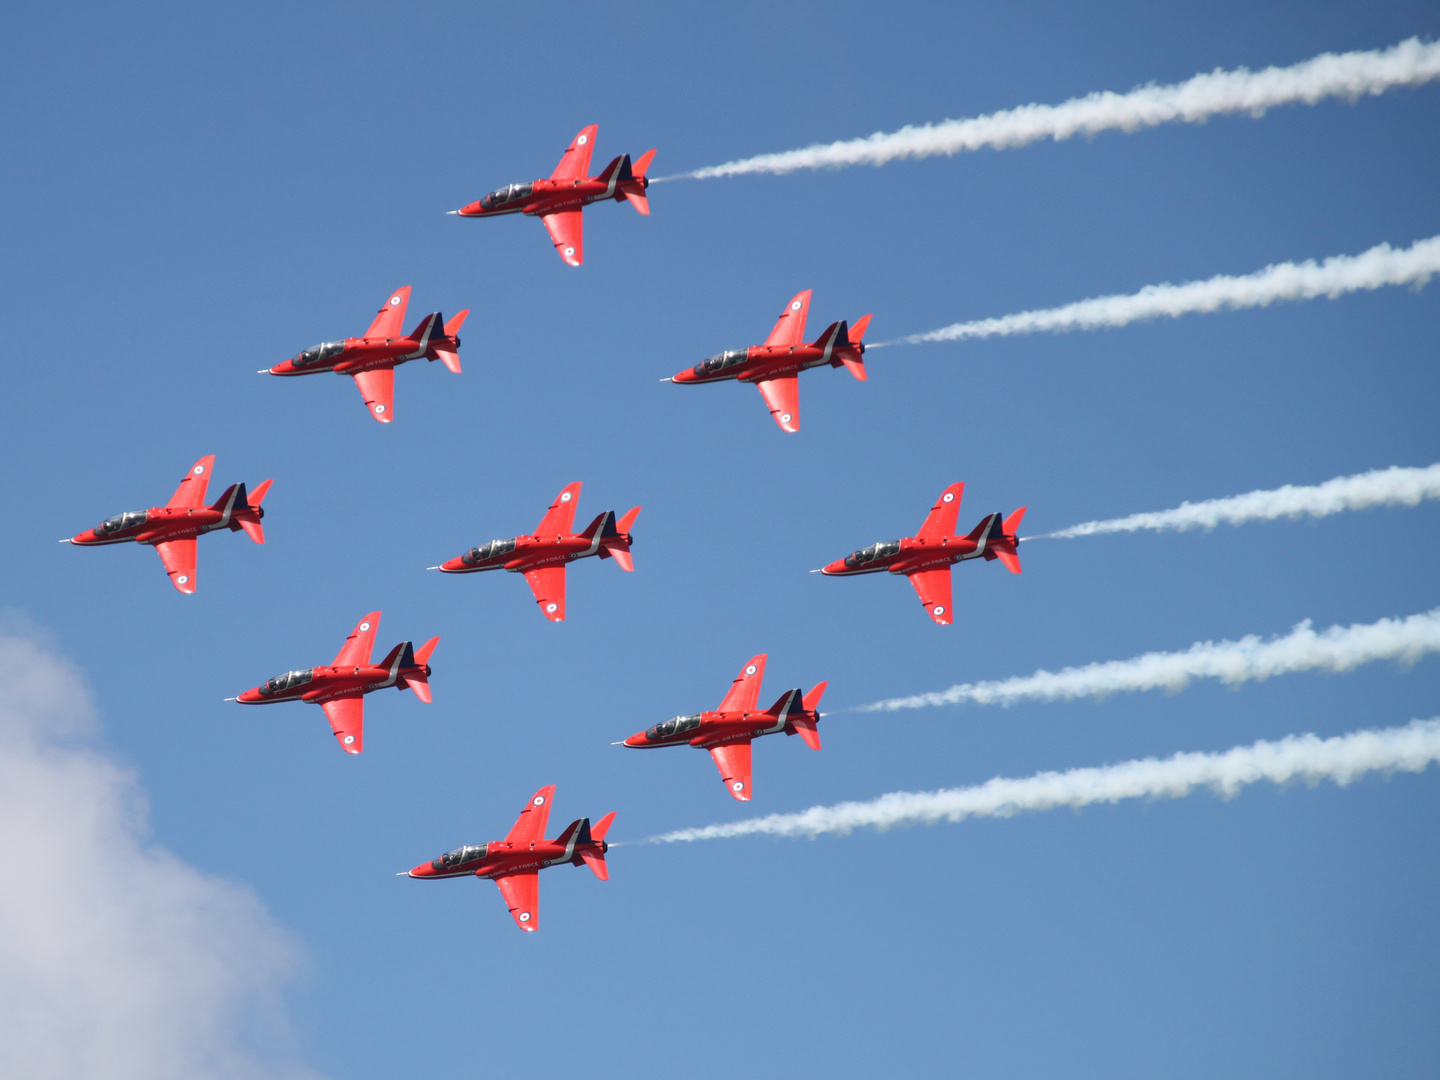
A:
x: 182, y: 579
x: 198, y: 469
x: 785, y: 417
x: 551, y: 607
x: 539, y: 800
x: 364, y: 626
x: 949, y: 497
x: 582, y: 140
x: 750, y: 670
x: 394, y: 300
x: 569, y: 251
x: 939, y: 609
x: 379, y: 408
x: 738, y: 785
x: 524, y: 916
x: 349, y: 739
x: 795, y: 306
x: 565, y: 497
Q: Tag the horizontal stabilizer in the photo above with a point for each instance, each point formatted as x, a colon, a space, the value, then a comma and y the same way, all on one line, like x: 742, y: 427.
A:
x: 453, y: 326
x: 421, y: 685
x: 601, y: 827
x: 596, y: 862
x: 640, y: 202
x: 1010, y: 559
x: 811, y: 701
x: 625, y: 523
x: 642, y: 165
x: 1012, y: 523
x: 248, y: 513
x: 422, y: 654
x: 256, y: 497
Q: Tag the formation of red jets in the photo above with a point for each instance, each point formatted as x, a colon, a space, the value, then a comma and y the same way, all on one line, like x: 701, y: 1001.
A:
x: 542, y: 556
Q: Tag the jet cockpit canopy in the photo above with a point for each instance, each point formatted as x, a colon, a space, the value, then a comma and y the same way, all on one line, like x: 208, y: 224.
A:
x: 721, y: 361
x: 676, y: 726
x: 288, y: 681
x: 509, y: 193
x: 121, y: 522
x: 452, y: 859
x: 475, y: 556
x: 871, y: 553
x: 316, y: 353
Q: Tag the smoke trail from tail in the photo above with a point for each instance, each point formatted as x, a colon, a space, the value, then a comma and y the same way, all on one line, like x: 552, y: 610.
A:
x: 1306, y: 758
x: 1340, y: 648
x: 1343, y: 75
x: 1394, y: 486
x: 1381, y: 265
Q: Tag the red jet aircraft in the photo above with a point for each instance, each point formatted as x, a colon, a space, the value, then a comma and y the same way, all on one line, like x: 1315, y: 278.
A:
x: 542, y: 556
x: 925, y: 558
x: 727, y: 731
x: 560, y: 201
x: 173, y: 528
x: 775, y: 366
x: 340, y: 688
x: 373, y: 357
x: 515, y: 863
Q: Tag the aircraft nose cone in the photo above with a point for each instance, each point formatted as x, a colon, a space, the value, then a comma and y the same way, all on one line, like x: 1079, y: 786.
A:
x: 469, y: 210
x: 836, y: 567
x: 452, y: 565
x: 249, y: 697
x: 423, y: 870
x: 685, y: 376
x: 637, y: 739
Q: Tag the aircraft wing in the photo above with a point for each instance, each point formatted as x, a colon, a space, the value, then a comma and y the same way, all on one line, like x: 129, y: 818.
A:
x: 790, y: 330
x: 347, y: 718
x: 377, y: 387
x: 744, y: 692
x: 782, y: 396
x: 179, y: 559
x: 933, y: 587
x: 356, y: 650
x: 529, y: 827
x: 940, y: 522
x: 390, y: 318
x: 733, y: 760
x: 567, y: 233
x: 190, y: 495
x: 522, y: 896
x: 548, y: 585
x: 559, y: 520
x: 575, y: 162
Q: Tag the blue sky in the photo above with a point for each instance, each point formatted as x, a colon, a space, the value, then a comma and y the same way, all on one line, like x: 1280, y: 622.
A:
x: 192, y: 193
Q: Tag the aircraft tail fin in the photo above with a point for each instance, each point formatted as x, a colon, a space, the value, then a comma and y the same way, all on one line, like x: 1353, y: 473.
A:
x: 1003, y: 542
x: 849, y: 349
x: 401, y: 656
x: 805, y: 725
x: 247, y: 512
x: 632, y: 186
x: 426, y: 327
x: 981, y: 533
x: 595, y: 835
x: 615, y: 537
x: 604, y: 525
x: 447, y: 356
x: 418, y: 670
x: 617, y: 171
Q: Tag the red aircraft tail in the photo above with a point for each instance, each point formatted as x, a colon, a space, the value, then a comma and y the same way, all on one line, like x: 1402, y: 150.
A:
x: 1003, y: 545
x: 420, y: 680
x: 632, y: 182
x: 595, y: 835
x: 805, y: 726
x: 451, y: 357
x: 246, y: 512
x: 615, y: 537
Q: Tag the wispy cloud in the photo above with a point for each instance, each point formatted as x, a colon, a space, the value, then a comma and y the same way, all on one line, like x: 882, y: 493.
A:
x: 1340, y: 648
x: 1305, y: 758
x: 1331, y: 75
x: 1381, y: 265
x: 118, y: 960
x: 1394, y: 486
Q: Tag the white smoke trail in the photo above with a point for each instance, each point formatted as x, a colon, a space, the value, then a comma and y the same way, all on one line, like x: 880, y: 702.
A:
x: 1380, y: 487
x: 1381, y: 265
x: 1343, y: 75
x: 1297, y: 757
x: 1340, y: 648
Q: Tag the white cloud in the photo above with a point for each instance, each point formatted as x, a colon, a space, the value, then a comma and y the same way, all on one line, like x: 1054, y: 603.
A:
x: 118, y: 960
